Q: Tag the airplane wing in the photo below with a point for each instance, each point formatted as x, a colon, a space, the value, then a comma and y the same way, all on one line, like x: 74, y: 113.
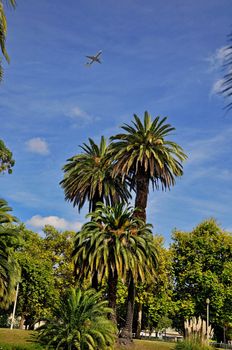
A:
x: 90, y: 57
x: 98, y: 54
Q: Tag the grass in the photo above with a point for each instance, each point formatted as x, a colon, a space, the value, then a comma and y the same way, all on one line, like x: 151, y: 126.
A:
x: 149, y: 345
x: 26, y: 338
x: 15, y: 336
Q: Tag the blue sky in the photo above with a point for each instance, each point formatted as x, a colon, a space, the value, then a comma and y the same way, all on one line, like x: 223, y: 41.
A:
x: 160, y: 56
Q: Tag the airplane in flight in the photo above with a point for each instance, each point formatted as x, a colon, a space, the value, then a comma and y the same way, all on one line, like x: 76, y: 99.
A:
x: 94, y: 58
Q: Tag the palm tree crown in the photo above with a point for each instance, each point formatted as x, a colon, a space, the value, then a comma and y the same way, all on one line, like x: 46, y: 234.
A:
x: 144, y: 146
x: 80, y: 322
x: 144, y: 153
x: 115, y: 240
x: 113, y: 244
x: 5, y: 216
x: 88, y: 176
x: 3, y: 32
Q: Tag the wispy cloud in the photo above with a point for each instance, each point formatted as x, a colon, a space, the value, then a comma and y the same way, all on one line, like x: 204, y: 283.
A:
x: 38, y: 222
x: 38, y: 145
x: 217, y: 59
x: 80, y: 116
x: 25, y: 197
x: 210, y: 147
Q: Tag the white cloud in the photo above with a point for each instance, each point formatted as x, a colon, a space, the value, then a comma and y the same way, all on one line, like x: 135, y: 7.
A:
x: 39, y: 222
x: 80, y: 116
x: 37, y: 145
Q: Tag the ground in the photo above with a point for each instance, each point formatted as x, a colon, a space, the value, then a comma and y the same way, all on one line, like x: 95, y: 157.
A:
x: 20, y: 337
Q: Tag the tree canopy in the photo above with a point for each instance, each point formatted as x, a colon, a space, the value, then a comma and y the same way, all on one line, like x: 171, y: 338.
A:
x: 202, y: 268
x: 6, y: 158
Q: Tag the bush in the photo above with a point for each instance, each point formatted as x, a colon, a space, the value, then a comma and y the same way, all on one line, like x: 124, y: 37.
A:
x: 79, y: 322
x: 192, y: 345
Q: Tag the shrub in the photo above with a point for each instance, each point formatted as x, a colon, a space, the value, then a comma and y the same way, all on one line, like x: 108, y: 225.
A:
x: 192, y: 345
x: 80, y: 322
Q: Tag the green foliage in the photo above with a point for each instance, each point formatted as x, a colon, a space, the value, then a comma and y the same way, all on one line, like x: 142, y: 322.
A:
x: 88, y: 176
x: 5, y: 216
x: 3, y: 32
x: 79, y: 322
x: 37, y: 292
x: 202, y: 266
x: 59, y: 247
x: 115, y: 240
x: 191, y: 345
x: 143, y: 145
x: 6, y: 160
x: 157, y: 297
x: 9, y: 268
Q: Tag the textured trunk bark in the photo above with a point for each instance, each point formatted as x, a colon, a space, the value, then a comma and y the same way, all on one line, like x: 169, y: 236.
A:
x: 127, y: 330
x: 139, y: 320
x: 112, y: 294
x: 142, y: 190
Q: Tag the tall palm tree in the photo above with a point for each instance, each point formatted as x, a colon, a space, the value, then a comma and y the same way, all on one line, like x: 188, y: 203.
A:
x: 143, y: 153
x: 3, y: 32
x: 113, y: 243
x: 79, y: 322
x: 88, y: 176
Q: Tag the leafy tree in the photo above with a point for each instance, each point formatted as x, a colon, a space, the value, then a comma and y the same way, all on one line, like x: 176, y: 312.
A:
x: 37, y: 293
x: 79, y: 322
x: 113, y: 243
x: 143, y: 153
x: 88, y: 176
x: 3, y: 32
x: 59, y: 247
x: 202, y: 266
x: 6, y: 160
x: 156, y: 298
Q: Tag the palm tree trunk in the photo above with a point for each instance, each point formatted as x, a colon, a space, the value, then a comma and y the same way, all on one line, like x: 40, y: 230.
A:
x: 139, y: 320
x: 127, y: 330
x: 142, y: 190
x: 112, y: 294
x: 95, y: 280
x: 95, y: 275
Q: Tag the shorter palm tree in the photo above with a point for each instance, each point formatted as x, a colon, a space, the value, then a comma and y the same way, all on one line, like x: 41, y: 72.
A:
x: 114, y: 243
x: 80, y: 322
x: 88, y: 177
x: 9, y: 268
